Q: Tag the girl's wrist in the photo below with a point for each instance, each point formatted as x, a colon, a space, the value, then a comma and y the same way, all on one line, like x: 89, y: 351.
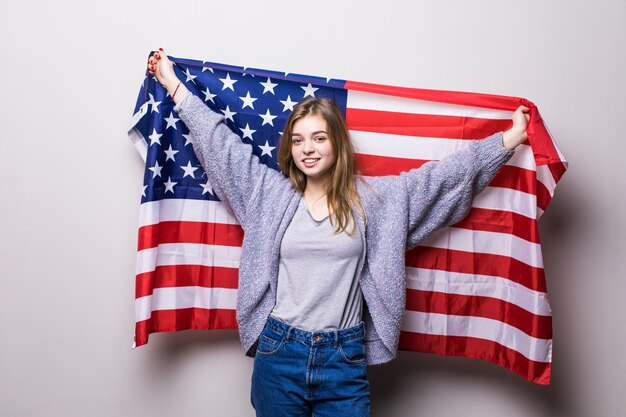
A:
x: 513, y: 137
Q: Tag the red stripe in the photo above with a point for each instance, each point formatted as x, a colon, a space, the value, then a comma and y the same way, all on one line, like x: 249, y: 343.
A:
x: 500, y: 221
x: 543, y: 196
x: 534, y: 371
x: 189, y: 232
x: 427, y: 125
x: 477, y: 263
x: 186, y: 276
x: 489, y: 101
x: 511, y: 177
x: 184, y: 319
x: 479, y: 306
x: 557, y: 169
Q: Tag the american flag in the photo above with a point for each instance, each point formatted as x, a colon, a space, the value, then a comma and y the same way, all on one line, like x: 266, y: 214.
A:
x: 475, y: 289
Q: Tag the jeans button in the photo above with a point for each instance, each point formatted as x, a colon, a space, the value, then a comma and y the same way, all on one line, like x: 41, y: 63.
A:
x: 317, y: 338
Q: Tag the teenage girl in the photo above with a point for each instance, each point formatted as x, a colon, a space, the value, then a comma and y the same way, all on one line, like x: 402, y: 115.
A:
x: 321, y: 291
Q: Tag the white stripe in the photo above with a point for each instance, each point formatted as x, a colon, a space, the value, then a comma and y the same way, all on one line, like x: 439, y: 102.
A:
x: 544, y: 176
x: 506, y: 199
x: 187, y: 254
x: 425, y: 148
x: 139, y: 141
x: 384, y: 102
x: 185, y: 210
x: 533, y: 348
x: 135, y: 136
x: 184, y: 297
x: 501, y: 288
x: 480, y: 241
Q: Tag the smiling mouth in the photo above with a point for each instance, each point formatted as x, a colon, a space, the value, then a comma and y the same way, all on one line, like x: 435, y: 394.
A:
x: 310, y: 160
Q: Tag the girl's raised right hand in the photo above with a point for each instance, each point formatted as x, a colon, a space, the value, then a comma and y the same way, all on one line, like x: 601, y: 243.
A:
x: 162, y: 68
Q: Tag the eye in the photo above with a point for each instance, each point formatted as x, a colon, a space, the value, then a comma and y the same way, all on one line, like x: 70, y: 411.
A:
x: 296, y: 141
x: 320, y: 138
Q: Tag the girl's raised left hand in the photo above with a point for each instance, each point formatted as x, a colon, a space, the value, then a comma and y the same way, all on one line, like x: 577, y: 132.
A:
x: 517, y: 133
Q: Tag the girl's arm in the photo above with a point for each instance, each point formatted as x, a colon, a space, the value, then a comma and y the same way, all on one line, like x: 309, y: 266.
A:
x: 441, y: 193
x: 234, y: 172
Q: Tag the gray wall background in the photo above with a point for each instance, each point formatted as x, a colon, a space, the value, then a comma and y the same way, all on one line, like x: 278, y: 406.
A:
x: 70, y: 183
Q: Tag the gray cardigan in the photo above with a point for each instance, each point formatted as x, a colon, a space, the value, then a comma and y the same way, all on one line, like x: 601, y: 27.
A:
x: 401, y: 211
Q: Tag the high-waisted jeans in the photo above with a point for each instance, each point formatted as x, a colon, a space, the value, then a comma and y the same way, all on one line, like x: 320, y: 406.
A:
x: 299, y: 373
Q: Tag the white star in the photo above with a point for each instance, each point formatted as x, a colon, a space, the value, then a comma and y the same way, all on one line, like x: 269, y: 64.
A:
x: 206, y: 68
x: 229, y: 114
x: 247, y: 132
x: 155, y: 104
x: 154, y: 137
x: 267, y: 118
x: 189, y: 76
x: 169, y: 185
x: 267, y: 149
x: 170, y: 154
x: 143, y: 192
x: 156, y: 170
x: 247, y: 101
x: 228, y: 82
x: 247, y: 73
x: 189, y: 170
x: 188, y: 139
x: 309, y: 90
x: 208, y: 96
x: 268, y: 86
x: 171, y: 121
x: 206, y: 188
x: 288, y: 103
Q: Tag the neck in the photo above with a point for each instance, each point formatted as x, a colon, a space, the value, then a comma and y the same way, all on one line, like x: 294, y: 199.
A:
x: 316, y: 189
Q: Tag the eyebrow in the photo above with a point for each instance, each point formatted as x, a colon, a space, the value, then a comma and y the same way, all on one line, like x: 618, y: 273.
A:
x: 315, y: 133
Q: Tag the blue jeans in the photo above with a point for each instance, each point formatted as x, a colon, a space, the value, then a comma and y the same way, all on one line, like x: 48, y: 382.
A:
x: 299, y: 373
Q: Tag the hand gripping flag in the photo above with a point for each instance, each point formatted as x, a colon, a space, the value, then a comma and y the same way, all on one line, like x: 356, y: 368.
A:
x: 475, y: 289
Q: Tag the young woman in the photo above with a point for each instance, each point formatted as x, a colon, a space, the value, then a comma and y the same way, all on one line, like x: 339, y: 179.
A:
x: 321, y: 279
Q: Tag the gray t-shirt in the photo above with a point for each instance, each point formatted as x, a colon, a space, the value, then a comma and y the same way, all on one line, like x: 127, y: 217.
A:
x: 318, y: 287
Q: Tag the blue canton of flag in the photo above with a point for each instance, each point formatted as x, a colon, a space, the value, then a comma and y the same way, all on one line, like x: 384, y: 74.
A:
x: 259, y: 103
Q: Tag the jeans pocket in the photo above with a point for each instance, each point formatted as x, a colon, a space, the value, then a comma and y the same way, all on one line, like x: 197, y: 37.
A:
x: 353, y: 351
x: 270, y: 342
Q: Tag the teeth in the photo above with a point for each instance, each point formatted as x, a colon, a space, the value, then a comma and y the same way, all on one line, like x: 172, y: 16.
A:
x: 310, y: 160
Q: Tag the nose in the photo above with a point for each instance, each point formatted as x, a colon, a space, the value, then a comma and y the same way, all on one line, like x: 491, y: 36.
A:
x: 307, y: 147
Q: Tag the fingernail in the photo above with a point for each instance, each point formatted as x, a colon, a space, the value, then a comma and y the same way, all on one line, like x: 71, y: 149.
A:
x: 160, y: 49
x: 156, y: 55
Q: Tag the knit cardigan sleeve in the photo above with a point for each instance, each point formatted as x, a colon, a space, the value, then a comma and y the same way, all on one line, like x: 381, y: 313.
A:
x: 440, y: 193
x: 235, y: 173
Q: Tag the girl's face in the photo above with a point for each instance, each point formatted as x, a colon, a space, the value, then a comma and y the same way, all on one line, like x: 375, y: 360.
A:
x: 311, y: 149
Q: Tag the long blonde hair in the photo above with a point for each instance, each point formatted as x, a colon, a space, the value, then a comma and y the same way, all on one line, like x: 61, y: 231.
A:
x: 341, y: 194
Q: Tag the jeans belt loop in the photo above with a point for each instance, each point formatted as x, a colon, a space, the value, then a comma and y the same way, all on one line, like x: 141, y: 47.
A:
x: 288, y: 333
x: 336, y: 339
